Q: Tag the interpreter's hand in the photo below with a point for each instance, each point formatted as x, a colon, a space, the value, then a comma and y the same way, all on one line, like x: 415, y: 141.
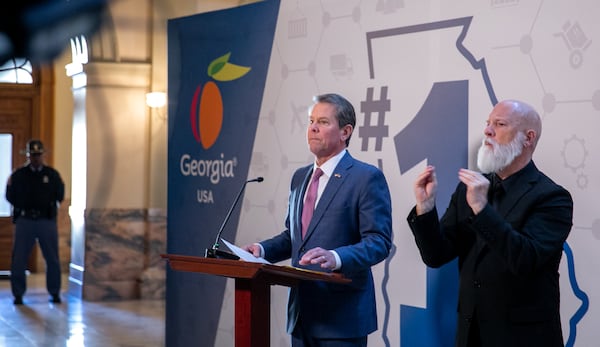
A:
x: 319, y: 255
x: 477, y: 188
x: 425, y: 189
x: 252, y: 248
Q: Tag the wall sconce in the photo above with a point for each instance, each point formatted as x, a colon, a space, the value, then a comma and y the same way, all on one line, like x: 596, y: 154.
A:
x: 156, y: 99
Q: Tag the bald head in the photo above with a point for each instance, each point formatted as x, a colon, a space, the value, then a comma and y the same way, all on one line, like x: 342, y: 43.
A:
x: 526, y: 117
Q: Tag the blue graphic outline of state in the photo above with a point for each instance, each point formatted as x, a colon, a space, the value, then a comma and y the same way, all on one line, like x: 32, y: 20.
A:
x: 418, y: 331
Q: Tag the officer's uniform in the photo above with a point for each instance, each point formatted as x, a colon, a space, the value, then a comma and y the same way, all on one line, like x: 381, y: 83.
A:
x: 35, y: 194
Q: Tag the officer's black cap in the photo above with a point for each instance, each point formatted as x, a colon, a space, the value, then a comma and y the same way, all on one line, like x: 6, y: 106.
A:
x: 34, y: 147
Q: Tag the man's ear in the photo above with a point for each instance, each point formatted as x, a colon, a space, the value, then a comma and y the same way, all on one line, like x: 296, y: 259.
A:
x: 530, y: 136
x: 347, y: 131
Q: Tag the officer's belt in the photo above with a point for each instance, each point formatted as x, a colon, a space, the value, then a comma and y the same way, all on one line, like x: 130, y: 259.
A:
x: 34, y: 214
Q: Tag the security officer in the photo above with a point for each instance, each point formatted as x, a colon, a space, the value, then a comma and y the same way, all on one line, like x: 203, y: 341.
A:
x: 35, y: 190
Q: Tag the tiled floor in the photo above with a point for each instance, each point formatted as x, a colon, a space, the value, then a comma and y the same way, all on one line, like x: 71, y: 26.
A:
x: 77, y: 323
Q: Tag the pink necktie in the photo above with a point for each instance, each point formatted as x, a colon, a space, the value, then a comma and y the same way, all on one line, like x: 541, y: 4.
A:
x: 309, y: 202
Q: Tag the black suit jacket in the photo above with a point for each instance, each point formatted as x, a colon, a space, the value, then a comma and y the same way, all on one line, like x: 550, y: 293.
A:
x: 508, y: 260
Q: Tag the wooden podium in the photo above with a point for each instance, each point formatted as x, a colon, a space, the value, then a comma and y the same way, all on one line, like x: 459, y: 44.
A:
x: 252, y: 290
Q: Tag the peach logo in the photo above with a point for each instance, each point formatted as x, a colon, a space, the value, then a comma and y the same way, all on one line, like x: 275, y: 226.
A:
x: 206, y: 112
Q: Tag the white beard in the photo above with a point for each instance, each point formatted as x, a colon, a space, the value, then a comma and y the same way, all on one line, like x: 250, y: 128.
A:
x: 499, y: 156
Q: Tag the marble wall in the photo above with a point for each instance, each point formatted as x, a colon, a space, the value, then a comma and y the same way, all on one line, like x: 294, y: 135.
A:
x: 122, y: 254
x: 152, y: 285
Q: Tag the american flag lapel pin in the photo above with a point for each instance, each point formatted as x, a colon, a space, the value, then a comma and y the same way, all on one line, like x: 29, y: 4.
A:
x: 337, y: 175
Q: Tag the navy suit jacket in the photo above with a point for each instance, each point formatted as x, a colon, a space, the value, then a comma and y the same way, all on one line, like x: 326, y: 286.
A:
x: 352, y: 217
x: 508, y: 259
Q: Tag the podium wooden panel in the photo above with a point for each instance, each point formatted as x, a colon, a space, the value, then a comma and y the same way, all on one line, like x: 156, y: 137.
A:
x: 252, y: 290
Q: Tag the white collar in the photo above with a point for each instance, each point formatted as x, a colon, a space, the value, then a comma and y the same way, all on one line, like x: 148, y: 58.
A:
x: 331, y: 163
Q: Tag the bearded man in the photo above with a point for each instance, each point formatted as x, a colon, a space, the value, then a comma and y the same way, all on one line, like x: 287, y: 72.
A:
x: 507, y: 226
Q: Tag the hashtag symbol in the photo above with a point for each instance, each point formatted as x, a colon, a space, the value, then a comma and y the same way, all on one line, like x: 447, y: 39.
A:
x: 380, y: 130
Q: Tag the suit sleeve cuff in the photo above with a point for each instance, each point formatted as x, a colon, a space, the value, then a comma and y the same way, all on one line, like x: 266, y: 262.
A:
x: 338, y: 261
x: 262, y: 250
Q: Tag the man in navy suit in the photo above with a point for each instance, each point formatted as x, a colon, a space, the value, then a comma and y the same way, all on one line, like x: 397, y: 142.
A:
x: 350, y: 231
x: 508, y: 239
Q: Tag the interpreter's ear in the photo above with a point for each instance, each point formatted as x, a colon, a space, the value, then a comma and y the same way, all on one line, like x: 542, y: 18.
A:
x: 530, y: 136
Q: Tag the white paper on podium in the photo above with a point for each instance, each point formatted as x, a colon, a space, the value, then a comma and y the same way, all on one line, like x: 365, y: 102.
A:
x: 245, y: 256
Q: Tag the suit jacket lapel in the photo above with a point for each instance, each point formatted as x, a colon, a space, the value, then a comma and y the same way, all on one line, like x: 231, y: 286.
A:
x: 517, y: 191
x: 333, y: 185
x: 297, y: 220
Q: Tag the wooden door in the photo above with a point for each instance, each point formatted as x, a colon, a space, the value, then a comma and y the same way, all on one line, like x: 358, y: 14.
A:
x: 22, y: 118
x: 15, y: 119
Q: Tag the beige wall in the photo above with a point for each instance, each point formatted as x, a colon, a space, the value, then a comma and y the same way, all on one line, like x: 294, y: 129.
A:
x: 63, y: 117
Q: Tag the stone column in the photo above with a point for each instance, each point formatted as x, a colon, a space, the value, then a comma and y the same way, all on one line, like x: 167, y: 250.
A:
x: 111, y: 155
x: 78, y: 164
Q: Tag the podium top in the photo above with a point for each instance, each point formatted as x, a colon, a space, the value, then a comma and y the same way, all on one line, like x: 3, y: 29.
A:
x: 274, y: 274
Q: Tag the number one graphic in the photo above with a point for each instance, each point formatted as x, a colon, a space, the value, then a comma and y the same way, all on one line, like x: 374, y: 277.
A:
x: 439, y: 134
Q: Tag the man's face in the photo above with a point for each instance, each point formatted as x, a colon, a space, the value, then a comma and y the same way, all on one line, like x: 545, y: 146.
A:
x: 493, y: 157
x: 503, y: 142
x: 502, y: 124
x: 325, y: 138
x: 36, y: 160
